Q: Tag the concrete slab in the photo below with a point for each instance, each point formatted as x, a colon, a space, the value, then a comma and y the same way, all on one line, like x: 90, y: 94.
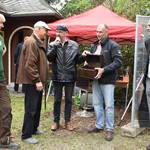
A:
x: 129, y: 131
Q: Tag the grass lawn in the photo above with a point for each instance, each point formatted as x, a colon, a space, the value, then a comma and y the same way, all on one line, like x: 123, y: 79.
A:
x: 76, y: 140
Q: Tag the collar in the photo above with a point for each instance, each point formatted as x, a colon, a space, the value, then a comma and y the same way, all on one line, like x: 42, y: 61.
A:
x: 38, y: 38
x: 39, y: 42
x: 103, y: 42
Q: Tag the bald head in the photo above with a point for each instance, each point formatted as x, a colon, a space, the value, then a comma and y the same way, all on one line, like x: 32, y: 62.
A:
x: 2, y: 20
x: 102, y: 32
x: 102, y: 27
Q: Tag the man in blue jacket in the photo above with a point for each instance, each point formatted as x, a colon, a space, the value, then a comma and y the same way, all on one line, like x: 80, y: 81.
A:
x: 104, y: 83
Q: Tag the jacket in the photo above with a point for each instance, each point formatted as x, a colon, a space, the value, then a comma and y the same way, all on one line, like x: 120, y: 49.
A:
x: 33, y: 66
x: 147, y: 46
x: 64, y: 59
x: 17, y: 53
x: 112, y: 60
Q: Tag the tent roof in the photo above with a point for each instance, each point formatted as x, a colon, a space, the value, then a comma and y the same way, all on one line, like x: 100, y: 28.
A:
x: 17, y: 8
x: 83, y: 26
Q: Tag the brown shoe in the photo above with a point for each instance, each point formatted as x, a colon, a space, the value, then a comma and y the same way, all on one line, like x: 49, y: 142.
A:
x: 69, y: 127
x: 55, y: 126
x: 94, y: 130
x: 109, y: 136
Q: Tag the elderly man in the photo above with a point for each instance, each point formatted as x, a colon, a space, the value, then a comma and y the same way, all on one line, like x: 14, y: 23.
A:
x: 147, y: 72
x: 33, y: 73
x: 64, y: 55
x: 5, y: 104
x: 104, y: 82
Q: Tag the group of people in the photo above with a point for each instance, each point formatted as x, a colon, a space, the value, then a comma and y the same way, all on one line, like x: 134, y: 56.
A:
x: 64, y: 54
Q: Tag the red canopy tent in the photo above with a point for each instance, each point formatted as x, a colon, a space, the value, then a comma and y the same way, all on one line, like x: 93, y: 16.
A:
x: 83, y: 26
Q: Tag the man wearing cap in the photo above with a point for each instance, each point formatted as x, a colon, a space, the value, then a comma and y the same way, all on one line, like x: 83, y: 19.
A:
x: 33, y: 73
x: 146, y: 80
x: 64, y: 55
x: 5, y: 103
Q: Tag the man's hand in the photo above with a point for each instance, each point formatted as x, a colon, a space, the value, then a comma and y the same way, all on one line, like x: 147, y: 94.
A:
x: 57, y: 40
x: 39, y: 86
x: 100, y: 72
x: 85, y: 53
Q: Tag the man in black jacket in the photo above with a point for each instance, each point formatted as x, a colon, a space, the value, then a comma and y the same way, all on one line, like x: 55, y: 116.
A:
x: 104, y: 82
x: 16, y: 62
x: 64, y: 55
x: 147, y: 72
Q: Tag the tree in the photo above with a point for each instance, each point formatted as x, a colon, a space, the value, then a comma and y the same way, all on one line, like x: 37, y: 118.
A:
x: 78, y: 6
x: 129, y: 8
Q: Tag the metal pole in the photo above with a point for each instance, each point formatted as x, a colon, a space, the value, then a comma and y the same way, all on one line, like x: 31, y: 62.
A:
x: 135, y: 71
x: 140, y: 81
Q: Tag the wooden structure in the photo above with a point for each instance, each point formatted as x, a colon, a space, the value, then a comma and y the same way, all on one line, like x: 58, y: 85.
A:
x: 20, y: 18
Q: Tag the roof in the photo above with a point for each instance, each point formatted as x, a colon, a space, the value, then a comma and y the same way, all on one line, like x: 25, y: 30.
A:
x: 17, y: 8
x: 83, y: 26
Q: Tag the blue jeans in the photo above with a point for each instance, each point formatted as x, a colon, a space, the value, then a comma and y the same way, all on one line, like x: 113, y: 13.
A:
x: 103, y: 94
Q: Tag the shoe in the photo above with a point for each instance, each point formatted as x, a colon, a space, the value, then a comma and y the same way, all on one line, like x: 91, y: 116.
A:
x: 148, y: 147
x: 11, y: 145
x: 38, y: 132
x: 55, y: 126
x: 68, y: 126
x: 109, y: 136
x: 94, y: 130
x: 31, y: 141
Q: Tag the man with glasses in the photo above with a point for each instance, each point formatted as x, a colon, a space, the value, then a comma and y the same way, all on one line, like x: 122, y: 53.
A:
x: 64, y: 55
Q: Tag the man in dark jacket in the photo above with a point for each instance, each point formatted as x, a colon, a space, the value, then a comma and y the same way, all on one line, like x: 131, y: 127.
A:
x: 104, y: 82
x: 64, y: 55
x: 33, y: 73
x: 147, y: 72
x: 16, y: 62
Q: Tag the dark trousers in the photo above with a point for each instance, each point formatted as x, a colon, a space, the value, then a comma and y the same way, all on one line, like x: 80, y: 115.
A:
x: 5, y: 114
x: 16, y: 86
x: 58, y: 89
x: 33, y: 101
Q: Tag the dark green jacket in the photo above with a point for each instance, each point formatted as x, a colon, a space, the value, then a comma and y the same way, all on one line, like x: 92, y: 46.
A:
x: 1, y: 59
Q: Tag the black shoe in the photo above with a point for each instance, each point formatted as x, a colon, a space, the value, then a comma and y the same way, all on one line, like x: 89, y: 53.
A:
x: 10, y: 146
x: 94, y: 130
x: 148, y: 147
x: 109, y: 136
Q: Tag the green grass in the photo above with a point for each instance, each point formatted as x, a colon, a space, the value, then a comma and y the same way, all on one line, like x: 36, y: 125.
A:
x: 77, y: 140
